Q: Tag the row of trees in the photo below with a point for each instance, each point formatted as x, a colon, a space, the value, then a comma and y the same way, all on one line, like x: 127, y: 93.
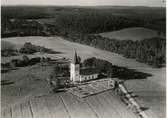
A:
x: 29, y: 48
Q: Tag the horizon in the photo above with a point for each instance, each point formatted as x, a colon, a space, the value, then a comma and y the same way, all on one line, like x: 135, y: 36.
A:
x: 22, y: 5
x: 89, y: 3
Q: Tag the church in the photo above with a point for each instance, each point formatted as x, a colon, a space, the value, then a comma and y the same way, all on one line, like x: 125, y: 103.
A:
x: 78, y: 74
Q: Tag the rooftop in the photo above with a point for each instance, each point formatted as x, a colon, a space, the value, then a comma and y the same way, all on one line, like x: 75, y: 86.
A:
x: 75, y: 60
x: 88, y: 71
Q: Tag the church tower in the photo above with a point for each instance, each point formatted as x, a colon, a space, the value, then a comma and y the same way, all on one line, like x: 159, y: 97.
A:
x: 75, y: 68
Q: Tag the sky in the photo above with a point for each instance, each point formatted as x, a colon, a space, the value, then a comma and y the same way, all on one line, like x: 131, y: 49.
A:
x: 86, y: 2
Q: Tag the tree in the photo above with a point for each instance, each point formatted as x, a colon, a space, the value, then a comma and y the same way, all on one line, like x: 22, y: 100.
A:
x: 110, y: 72
x: 53, y: 80
x: 25, y: 59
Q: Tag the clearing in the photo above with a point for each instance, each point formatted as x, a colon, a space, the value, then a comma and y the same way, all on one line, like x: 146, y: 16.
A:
x: 134, y: 34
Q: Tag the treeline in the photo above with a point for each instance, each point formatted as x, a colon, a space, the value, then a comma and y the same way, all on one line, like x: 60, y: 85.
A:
x: 150, y: 51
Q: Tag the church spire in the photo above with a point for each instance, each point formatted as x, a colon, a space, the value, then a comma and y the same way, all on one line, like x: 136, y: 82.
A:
x: 75, y: 59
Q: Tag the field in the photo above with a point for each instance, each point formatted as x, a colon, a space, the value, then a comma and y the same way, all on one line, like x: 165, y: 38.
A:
x: 150, y: 90
x: 137, y: 33
x: 65, y: 105
x: 7, y: 45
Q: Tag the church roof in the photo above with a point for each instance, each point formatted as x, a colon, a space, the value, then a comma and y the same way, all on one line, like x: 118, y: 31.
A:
x: 88, y: 71
x: 75, y: 59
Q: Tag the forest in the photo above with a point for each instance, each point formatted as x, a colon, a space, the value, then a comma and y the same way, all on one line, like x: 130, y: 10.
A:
x: 33, y: 20
x: 82, y: 25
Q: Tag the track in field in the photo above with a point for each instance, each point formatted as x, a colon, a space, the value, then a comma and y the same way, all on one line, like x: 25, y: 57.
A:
x: 67, y: 105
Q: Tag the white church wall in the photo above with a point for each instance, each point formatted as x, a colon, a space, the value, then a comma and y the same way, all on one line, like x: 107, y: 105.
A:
x: 74, y: 72
x: 88, y: 77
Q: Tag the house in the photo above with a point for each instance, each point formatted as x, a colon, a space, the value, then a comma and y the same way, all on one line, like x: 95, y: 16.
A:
x: 78, y: 74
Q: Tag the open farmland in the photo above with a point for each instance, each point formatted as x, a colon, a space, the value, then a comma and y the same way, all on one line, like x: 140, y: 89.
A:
x: 65, y: 105
x: 136, y: 33
x: 150, y: 90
